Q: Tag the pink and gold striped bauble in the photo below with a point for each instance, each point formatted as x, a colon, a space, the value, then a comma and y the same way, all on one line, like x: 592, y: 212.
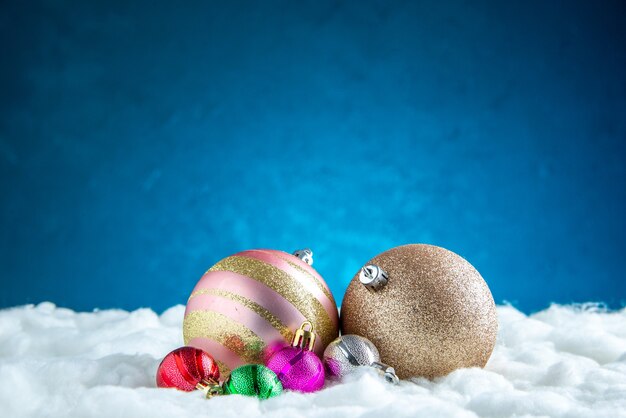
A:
x: 256, y: 299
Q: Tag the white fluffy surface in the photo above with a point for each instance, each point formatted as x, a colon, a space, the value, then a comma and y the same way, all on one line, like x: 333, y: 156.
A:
x: 561, y: 362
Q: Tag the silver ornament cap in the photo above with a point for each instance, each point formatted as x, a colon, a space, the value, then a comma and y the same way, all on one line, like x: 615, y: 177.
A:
x: 373, y: 277
x: 388, y: 372
x: 305, y: 255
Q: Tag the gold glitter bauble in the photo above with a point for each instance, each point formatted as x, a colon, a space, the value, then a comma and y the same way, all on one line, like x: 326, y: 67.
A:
x: 434, y: 315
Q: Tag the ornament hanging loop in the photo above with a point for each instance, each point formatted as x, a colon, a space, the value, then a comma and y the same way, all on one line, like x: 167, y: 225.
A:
x: 304, y: 338
x: 305, y: 255
x: 210, y: 388
x: 373, y: 277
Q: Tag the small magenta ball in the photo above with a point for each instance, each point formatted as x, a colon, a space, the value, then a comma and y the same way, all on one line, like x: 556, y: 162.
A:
x: 298, y: 369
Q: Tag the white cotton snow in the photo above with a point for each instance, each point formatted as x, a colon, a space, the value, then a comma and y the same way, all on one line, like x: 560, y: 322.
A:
x: 561, y: 362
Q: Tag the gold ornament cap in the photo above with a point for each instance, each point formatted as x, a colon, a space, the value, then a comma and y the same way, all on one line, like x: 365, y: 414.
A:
x: 210, y: 388
x: 304, y: 338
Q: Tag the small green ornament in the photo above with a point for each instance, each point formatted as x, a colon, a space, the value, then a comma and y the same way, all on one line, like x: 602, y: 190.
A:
x: 253, y: 380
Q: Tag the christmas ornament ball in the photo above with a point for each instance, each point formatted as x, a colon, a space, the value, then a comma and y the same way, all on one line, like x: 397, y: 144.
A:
x: 426, y: 309
x: 346, y: 353
x: 298, y: 369
x: 255, y: 299
x: 185, y: 367
x: 296, y: 366
x: 253, y: 380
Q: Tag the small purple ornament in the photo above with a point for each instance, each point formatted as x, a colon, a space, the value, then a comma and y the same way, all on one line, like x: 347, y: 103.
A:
x: 297, y: 367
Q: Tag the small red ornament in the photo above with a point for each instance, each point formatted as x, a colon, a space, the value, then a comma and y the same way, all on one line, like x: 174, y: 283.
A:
x: 187, y: 368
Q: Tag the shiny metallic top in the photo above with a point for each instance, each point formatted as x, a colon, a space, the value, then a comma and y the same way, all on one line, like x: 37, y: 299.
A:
x: 388, y: 372
x: 304, y: 338
x: 373, y: 277
x: 305, y: 255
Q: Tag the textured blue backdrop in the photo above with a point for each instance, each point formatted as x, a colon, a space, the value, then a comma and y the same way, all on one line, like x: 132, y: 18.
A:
x: 141, y: 143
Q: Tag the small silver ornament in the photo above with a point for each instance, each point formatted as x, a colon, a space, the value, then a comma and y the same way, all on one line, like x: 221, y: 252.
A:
x: 346, y: 353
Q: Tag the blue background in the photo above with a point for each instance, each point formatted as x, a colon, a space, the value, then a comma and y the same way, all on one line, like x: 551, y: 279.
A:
x: 141, y: 143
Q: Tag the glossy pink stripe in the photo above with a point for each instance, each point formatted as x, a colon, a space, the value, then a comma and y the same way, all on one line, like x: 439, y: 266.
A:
x: 218, y: 351
x: 302, y: 278
x: 253, y: 290
x: 259, y: 293
x: 238, y: 313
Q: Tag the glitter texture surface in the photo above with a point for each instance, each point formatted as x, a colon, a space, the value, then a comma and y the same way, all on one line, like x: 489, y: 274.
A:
x: 435, y: 315
x: 219, y: 328
x: 326, y: 325
x: 250, y: 304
